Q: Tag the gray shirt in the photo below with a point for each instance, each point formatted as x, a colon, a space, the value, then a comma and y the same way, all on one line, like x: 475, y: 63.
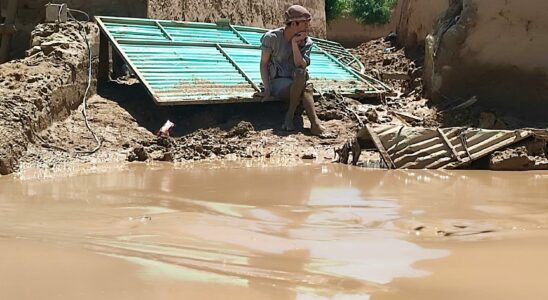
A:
x: 281, y: 62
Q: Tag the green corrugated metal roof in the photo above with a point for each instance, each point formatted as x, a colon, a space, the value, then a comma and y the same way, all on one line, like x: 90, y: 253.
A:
x: 189, y: 63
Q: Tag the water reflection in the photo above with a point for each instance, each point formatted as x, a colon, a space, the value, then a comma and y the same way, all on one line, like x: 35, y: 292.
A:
x: 312, y: 232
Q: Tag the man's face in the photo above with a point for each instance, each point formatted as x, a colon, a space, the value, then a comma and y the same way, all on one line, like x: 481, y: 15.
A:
x: 302, y: 26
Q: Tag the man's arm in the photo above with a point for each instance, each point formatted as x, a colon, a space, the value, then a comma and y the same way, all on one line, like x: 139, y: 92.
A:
x: 298, y: 58
x: 265, y: 58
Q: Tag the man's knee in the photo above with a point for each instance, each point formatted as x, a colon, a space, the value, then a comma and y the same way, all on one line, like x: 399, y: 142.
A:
x: 309, y: 89
x: 300, y: 75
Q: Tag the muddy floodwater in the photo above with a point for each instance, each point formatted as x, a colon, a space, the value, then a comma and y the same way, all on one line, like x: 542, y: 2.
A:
x: 266, y: 232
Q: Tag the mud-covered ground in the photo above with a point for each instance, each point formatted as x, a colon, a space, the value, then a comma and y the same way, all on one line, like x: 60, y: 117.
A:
x: 125, y: 119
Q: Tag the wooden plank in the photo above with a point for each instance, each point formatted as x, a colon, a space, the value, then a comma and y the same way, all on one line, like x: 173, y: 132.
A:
x: 406, y: 116
x: 396, y: 76
x: 380, y: 147
x: 218, y: 101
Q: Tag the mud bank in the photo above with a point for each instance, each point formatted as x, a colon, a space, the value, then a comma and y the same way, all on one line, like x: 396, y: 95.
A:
x: 494, y: 50
x: 45, y: 86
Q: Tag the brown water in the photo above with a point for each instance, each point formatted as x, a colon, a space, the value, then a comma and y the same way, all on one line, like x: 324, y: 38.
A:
x: 307, y: 232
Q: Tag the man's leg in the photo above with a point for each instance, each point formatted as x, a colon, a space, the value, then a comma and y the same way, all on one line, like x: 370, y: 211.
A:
x: 308, y: 103
x: 295, y: 97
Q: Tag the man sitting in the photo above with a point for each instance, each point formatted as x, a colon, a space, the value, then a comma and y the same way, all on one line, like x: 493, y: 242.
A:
x: 284, y: 59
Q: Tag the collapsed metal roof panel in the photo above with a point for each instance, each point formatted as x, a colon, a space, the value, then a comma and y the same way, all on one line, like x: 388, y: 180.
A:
x: 191, y: 63
x: 422, y: 148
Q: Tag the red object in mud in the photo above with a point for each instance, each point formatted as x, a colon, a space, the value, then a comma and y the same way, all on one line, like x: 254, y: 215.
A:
x: 165, y: 129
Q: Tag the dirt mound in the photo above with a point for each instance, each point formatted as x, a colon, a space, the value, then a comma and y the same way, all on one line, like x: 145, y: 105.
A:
x: 43, y: 87
x: 390, y: 63
x: 126, y: 119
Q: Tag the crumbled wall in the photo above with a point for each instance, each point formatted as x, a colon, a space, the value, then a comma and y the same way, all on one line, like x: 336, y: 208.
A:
x: 417, y: 19
x: 412, y: 19
x: 495, y: 50
x: 43, y: 87
x: 259, y: 13
x: 32, y: 12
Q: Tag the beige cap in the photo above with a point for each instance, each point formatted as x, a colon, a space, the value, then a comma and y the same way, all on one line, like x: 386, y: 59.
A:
x: 296, y: 13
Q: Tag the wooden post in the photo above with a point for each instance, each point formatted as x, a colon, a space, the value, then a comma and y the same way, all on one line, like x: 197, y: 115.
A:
x: 104, y: 59
x: 11, y: 14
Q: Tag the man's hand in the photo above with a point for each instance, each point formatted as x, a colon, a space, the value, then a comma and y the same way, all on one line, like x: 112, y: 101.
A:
x: 267, y: 96
x: 299, y: 38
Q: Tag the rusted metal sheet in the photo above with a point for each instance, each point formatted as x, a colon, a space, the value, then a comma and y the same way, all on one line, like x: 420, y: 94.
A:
x: 194, y: 63
x: 405, y: 147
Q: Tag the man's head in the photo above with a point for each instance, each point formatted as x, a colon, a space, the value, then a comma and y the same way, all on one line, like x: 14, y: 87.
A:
x: 297, y: 18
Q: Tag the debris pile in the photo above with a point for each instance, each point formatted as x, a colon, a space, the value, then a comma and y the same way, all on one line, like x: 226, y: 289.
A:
x: 529, y: 155
x: 202, y: 144
x: 407, y: 108
x: 389, y: 63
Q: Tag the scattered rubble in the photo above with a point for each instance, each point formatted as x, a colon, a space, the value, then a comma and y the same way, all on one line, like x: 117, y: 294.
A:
x: 403, y: 71
x: 529, y: 155
x: 389, y: 63
x: 124, y: 117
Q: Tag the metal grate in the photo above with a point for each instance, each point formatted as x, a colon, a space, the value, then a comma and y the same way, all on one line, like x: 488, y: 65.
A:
x: 193, y: 63
x: 448, y: 148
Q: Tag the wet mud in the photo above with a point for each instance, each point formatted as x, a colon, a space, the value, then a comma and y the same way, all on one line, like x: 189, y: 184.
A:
x: 238, y: 230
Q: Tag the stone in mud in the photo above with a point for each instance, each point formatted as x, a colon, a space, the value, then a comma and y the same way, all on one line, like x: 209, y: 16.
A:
x: 516, y: 159
x: 140, y: 154
x: 372, y: 115
x: 309, y: 156
x: 165, y: 141
x: 489, y: 120
x: 241, y: 130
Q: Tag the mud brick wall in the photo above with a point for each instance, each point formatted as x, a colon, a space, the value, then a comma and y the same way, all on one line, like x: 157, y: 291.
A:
x: 32, y: 12
x: 495, y: 50
x: 259, y: 13
x: 413, y: 20
x: 43, y: 87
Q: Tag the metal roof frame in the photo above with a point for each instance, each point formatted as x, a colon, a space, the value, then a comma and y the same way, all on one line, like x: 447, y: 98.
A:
x: 183, y: 63
x: 403, y: 147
